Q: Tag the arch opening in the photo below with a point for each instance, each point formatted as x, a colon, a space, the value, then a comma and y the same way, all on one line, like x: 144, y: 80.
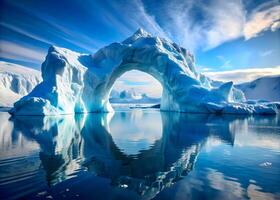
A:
x: 135, y: 88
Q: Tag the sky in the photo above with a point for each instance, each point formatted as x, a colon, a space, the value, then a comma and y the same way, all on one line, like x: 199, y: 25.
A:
x: 229, y: 38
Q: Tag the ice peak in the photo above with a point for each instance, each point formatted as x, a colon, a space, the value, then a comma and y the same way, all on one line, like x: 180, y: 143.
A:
x: 140, y: 33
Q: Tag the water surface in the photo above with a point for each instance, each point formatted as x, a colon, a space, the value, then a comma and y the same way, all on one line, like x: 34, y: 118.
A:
x: 139, y: 154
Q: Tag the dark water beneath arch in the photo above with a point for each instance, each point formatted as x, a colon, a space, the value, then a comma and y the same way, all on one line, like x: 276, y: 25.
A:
x: 139, y: 154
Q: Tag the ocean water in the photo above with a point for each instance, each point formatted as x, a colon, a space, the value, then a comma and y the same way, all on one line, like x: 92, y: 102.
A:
x: 140, y: 154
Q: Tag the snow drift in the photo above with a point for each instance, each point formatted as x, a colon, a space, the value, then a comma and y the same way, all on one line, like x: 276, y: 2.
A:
x: 15, y: 82
x: 76, y: 83
x: 265, y: 88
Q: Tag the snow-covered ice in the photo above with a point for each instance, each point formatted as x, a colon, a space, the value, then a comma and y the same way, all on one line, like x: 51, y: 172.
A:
x: 75, y: 83
x: 15, y: 82
x: 265, y: 88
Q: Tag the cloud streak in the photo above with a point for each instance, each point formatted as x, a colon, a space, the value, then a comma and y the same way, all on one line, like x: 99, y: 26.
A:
x: 243, y: 75
x: 24, y: 32
x: 15, y: 51
x: 53, y: 31
x: 264, y: 17
x: 226, y: 20
x: 222, y: 21
x: 134, y: 16
x: 196, y: 25
x: 266, y: 53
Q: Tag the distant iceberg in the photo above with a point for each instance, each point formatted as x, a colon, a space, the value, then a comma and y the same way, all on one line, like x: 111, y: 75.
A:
x: 78, y: 83
x: 265, y: 88
x: 131, y: 96
x: 15, y: 82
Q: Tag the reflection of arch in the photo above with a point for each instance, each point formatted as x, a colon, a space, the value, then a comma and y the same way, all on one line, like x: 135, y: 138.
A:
x: 87, y: 143
x: 78, y: 150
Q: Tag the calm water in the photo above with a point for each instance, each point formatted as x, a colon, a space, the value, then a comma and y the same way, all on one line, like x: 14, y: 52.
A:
x: 139, y: 154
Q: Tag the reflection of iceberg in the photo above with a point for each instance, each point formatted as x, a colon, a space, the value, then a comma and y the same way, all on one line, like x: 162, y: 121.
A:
x: 252, y: 129
x: 69, y: 145
x: 58, y: 138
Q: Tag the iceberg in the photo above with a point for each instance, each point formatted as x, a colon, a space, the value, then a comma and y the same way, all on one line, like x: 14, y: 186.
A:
x: 79, y: 83
x: 131, y: 96
x: 15, y: 82
x: 265, y: 88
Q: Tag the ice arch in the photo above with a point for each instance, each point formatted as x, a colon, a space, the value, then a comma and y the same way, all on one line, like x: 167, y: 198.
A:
x: 74, y: 83
x: 104, y: 90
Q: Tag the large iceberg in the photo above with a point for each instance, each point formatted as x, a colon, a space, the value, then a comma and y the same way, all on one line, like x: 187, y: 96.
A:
x: 78, y: 83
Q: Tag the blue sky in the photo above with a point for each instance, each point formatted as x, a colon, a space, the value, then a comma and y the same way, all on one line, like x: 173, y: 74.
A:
x: 223, y: 35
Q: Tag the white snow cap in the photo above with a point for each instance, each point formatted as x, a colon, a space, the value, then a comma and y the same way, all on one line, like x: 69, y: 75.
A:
x: 140, y: 33
x: 75, y: 83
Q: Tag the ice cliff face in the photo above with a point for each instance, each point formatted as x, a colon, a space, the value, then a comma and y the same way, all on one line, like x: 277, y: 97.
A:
x: 15, y: 82
x: 75, y: 83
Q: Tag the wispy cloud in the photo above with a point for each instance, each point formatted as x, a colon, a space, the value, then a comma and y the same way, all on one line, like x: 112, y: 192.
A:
x: 134, y: 16
x: 243, y: 75
x: 266, y: 53
x: 24, y: 32
x: 205, y: 69
x: 180, y: 25
x: 52, y: 30
x: 193, y: 24
x: 222, y: 21
x: 84, y: 42
x: 225, y: 62
x: 225, y: 20
x: 146, y: 20
x: 18, y: 52
x: 264, y: 17
x: 275, y: 26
